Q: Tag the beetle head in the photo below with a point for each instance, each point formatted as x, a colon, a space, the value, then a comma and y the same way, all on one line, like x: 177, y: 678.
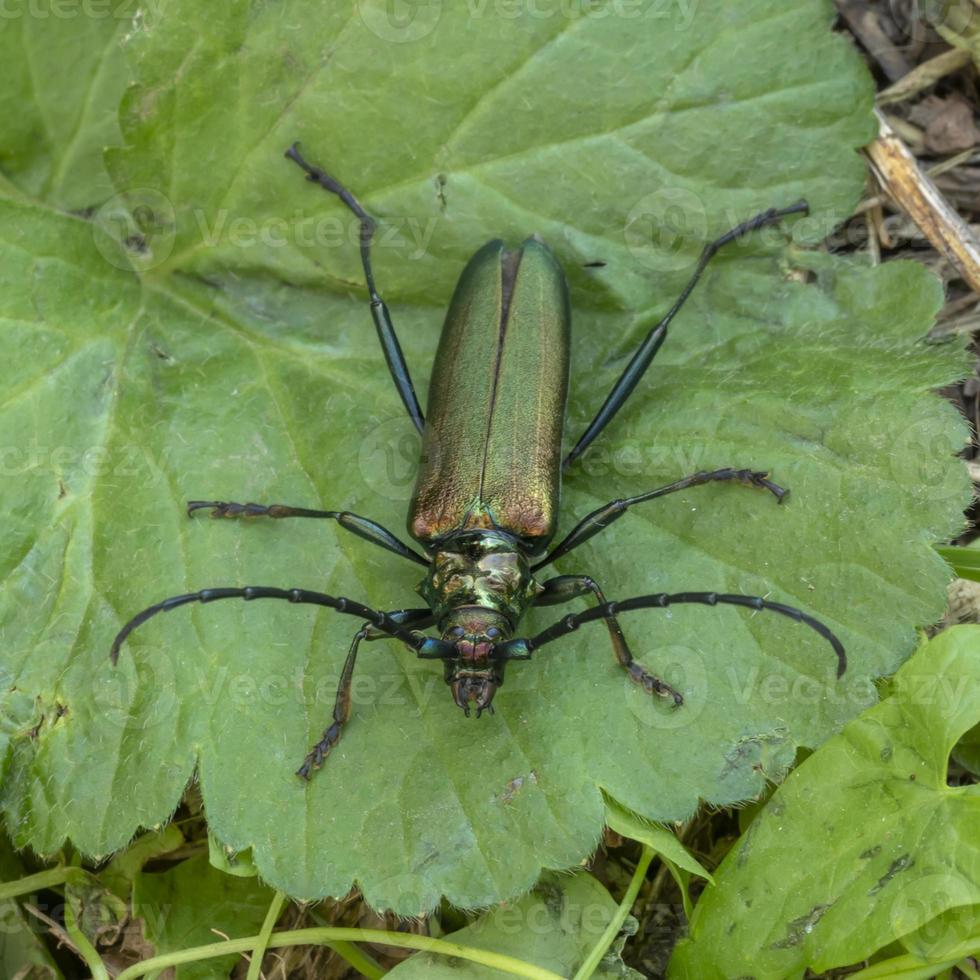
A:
x: 475, y: 673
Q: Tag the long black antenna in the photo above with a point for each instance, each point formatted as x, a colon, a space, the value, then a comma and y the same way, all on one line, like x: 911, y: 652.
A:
x: 387, y: 624
x: 522, y: 649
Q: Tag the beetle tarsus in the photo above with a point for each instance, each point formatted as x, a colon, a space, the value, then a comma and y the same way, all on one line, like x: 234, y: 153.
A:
x: 653, y: 684
x: 760, y: 480
x: 319, y: 752
x: 228, y: 508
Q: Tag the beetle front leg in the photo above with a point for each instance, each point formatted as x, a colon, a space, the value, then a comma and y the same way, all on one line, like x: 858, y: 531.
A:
x: 564, y: 588
x: 415, y: 618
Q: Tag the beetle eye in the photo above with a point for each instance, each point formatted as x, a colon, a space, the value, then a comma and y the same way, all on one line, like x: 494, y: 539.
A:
x: 493, y: 633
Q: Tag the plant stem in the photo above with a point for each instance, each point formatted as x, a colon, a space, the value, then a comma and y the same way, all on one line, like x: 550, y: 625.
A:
x: 327, y: 936
x: 611, y: 931
x: 268, y: 924
x: 85, y: 949
x: 906, y: 967
x: 33, y: 883
x: 359, y: 959
x: 968, y: 970
x: 353, y: 954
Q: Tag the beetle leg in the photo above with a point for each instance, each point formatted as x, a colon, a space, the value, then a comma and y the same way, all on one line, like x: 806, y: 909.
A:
x: 564, y: 588
x: 647, y: 350
x: 603, y: 516
x: 417, y: 618
x: 379, y: 312
x: 361, y: 526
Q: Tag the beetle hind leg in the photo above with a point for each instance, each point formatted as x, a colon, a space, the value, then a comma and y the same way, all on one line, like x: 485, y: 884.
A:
x: 603, y: 516
x: 564, y: 588
x: 653, y: 341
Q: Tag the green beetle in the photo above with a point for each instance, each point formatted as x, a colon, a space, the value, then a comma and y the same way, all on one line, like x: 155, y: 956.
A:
x: 485, y: 506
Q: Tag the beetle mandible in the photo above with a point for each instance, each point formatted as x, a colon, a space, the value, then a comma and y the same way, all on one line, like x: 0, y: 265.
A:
x: 485, y: 505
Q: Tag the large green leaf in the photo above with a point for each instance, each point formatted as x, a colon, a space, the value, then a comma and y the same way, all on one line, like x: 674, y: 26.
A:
x: 865, y: 843
x: 203, y: 334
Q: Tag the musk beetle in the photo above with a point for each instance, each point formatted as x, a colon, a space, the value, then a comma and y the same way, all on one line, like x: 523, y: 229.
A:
x: 485, y: 504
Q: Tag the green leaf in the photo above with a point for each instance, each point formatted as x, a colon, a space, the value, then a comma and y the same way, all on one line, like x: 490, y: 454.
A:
x: 21, y: 945
x: 205, y: 334
x: 553, y: 927
x: 951, y: 935
x: 659, y: 839
x: 967, y: 751
x: 65, y: 72
x: 229, y: 861
x: 965, y: 561
x: 864, y: 843
x: 98, y: 913
x: 125, y: 865
x: 194, y: 904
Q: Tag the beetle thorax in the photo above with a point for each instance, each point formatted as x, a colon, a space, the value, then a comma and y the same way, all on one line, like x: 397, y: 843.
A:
x: 478, y: 586
x: 483, y: 570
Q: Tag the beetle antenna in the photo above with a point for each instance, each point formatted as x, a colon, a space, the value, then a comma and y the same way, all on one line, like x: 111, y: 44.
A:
x: 521, y: 649
x: 379, y: 312
x: 653, y: 341
x: 382, y: 621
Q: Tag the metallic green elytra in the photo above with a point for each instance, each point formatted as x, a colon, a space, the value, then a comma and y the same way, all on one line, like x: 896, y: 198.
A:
x: 491, y: 451
x: 486, y: 498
